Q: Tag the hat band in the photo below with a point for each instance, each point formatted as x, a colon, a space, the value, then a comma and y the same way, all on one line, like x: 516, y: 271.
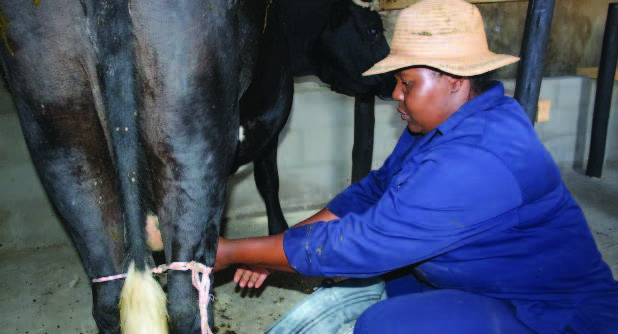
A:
x: 440, y: 45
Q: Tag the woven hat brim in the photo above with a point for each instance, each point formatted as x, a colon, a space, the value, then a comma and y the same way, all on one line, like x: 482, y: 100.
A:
x: 462, y: 66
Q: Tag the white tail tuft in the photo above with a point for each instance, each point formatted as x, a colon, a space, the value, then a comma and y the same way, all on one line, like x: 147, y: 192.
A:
x: 143, y: 305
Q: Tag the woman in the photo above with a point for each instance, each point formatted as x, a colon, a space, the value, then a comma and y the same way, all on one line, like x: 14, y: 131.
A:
x: 469, y: 200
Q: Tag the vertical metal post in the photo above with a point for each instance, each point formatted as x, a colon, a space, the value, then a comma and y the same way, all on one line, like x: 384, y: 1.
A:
x: 364, y: 122
x: 603, y: 96
x: 532, y: 55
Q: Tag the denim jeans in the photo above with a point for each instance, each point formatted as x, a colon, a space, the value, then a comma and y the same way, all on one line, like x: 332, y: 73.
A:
x: 332, y: 309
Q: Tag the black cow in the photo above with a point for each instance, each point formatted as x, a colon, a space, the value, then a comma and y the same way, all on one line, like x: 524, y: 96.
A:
x: 134, y: 105
x: 334, y: 40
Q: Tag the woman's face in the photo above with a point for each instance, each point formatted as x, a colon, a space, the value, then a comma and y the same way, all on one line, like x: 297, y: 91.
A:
x: 425, y: 98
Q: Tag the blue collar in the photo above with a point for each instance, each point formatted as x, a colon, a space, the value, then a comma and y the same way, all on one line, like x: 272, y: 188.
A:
x: 484, y: 101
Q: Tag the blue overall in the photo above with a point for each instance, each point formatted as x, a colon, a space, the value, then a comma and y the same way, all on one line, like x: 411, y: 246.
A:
x: 478, y: 208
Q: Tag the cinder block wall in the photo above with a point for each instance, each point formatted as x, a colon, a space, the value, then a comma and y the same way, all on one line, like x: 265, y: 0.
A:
x: 314, y: 155
x: 315, y: 150
x: 567, y: 133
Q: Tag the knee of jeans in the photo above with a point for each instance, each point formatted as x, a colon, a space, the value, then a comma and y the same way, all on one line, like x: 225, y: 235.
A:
x: 368, y: 322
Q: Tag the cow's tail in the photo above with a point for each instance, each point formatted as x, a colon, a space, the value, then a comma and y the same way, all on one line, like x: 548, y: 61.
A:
x: 142, y: 304
x: 142, y: 301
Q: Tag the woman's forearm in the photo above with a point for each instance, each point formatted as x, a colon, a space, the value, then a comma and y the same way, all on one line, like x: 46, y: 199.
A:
x: 323, y: 215
x: 266, y: 252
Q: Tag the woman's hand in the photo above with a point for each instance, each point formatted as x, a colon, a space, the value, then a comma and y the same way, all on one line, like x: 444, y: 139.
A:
x: 259, y: 255
x: 250, y: 276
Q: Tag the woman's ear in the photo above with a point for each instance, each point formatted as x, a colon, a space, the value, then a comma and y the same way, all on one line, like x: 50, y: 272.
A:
x: 456, y: 83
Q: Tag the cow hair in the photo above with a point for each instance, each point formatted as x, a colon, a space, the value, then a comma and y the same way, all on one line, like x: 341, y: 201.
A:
x: 142, y: 304
x: 372, y: 4
x: 340, y: 13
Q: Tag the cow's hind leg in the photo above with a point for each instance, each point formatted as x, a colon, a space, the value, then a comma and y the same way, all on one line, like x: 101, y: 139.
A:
x: 267, y: 181
x: 190, y: 194
x: 188, y: 111
x: 70, y: 154
x: 264, y: 110
x: 47, y: 57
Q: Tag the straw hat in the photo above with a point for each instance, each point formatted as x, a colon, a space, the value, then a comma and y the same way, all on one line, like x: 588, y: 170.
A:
x: 444, y: 34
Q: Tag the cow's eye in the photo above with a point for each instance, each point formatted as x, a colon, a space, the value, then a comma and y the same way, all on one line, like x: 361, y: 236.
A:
x: 372, y: 31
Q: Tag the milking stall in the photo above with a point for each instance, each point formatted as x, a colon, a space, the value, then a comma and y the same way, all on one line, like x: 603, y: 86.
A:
x: 565, y: 81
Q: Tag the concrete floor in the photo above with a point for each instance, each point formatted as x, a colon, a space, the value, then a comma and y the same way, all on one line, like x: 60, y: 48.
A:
x: 44, y: 289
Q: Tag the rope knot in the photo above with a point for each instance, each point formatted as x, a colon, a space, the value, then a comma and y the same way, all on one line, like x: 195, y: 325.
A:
x: 202, y: 284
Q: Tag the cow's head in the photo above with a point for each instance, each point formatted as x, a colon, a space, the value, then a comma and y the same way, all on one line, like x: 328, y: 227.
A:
x: 350, y: 44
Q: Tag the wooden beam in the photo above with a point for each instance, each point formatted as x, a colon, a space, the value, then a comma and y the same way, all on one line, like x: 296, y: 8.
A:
x: 543, y: 108
x: 592, y: 72
x: 400, y: 4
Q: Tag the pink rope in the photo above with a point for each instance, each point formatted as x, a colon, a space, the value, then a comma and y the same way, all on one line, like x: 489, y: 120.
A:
x: 109, y: 278
x: 201, y: 284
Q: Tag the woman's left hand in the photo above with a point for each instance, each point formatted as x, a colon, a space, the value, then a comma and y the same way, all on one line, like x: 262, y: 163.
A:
x: 250, y: 276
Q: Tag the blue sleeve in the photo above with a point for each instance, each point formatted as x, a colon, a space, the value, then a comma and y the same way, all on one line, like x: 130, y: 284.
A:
x: 450, y: 197
x: 361, y: 195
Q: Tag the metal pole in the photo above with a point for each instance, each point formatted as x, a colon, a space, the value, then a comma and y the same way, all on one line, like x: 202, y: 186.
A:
x: 532, y: 55
x: 603, y: 96
x: 364, y: 122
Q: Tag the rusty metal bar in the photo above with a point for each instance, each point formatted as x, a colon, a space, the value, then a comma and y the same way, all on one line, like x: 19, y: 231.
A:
x: 532, y: 55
